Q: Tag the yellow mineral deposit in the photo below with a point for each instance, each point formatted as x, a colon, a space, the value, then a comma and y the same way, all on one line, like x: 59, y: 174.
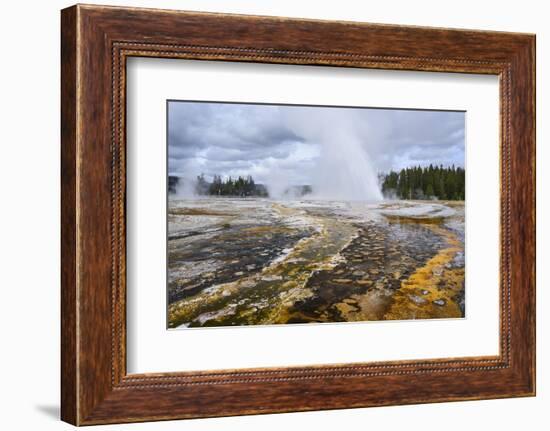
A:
x: 250, y: 262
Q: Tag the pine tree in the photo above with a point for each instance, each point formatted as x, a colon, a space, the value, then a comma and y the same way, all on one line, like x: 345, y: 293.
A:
x: 419, y: 183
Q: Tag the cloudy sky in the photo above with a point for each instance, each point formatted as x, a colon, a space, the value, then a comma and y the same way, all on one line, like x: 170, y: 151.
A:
x: 300, y: 143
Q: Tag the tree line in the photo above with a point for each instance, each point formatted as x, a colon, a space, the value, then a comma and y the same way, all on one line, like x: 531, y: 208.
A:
x: 240, y: 186
x: 446, y: 183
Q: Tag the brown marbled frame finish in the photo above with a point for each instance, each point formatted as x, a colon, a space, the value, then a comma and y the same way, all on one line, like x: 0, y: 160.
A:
x: 95, y: 43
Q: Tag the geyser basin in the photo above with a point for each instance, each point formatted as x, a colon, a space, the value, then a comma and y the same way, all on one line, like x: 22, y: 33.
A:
x: 235, y: 261
x: 281, y: 214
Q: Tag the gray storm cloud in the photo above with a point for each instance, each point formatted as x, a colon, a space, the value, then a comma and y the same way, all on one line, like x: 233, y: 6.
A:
x: 338, y: 151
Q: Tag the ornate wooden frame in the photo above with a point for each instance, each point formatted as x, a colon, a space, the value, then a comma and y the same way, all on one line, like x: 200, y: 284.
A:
x: 95, y: 43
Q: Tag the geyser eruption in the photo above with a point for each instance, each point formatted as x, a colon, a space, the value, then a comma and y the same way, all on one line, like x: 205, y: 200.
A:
x: 344, y: 170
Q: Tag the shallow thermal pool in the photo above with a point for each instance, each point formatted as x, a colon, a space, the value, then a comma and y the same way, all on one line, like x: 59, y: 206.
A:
x: 252, y: 261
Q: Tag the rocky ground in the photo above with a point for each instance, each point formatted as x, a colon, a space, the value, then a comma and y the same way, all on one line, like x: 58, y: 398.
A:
x: 257, y: 261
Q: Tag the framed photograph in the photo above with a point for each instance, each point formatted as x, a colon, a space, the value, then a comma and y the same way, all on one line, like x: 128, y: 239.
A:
x: 265, y: 214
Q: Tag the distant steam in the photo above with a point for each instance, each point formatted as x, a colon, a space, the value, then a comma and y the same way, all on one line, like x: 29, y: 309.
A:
x: 186, y: 187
